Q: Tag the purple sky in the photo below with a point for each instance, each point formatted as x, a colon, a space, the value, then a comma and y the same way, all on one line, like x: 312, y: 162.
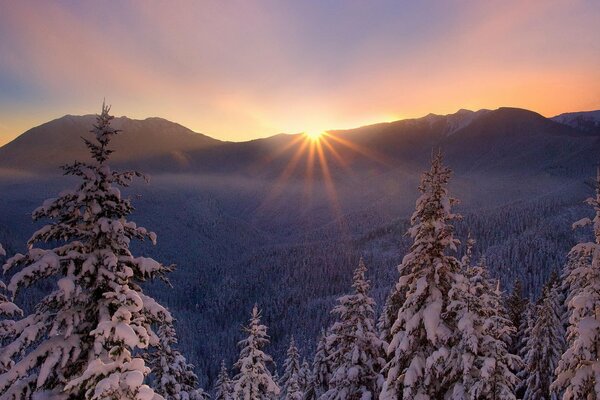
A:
x: 237, y: 70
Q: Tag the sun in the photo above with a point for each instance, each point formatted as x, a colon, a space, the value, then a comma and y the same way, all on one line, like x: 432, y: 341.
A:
x: 314, y: 135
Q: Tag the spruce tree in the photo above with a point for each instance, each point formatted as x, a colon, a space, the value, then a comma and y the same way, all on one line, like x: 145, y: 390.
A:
x: 423, y: 330
x: 357, y: 350
x: 85, y: 339
x: 291, y: 370
x: 497, y: 380
x: 254, y: 380
x: 223, y: 385
x: 304, y: 376
x: 543, y: 348
x: 174, y: 378
x: 516, y: 306
x: 389, y: 313
x: 322, y: 366
x: 480, y: 348
x: 293, y: 391
x: 578, y: 372
x: 8, y: 311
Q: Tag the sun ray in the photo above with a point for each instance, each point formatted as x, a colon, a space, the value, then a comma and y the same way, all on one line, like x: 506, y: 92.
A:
x: 379, y: 158
x: 289, y: 169
x: 331, y: 190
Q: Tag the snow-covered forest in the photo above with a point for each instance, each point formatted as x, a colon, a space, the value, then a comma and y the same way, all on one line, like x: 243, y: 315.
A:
x: 80, y: 318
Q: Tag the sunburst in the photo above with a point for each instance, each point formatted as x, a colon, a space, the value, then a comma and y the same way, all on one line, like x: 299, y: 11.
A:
x: 314, y: 135
x: 321, y: 151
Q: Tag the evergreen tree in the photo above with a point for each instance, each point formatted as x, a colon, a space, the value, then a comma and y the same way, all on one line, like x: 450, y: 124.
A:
x: 578, y: 372
x: 516, y: 306
x: 8, y: 311
x: 480, y: 349
x: 223, y: 386
x: 84, y: 340
x: 526, y: 326
x: 304, y: 376
x: 390, y: 313
x: 543, y: 348
x: 254, y: 380
x: 322, y: 366
x: 497, y: 380
x: 357, y: 350
x: 423, y: 330
x: 293, y: 391
x: 291, y: 367
x: 174, y: 377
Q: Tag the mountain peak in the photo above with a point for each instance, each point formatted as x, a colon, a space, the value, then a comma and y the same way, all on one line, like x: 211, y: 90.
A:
x: 58, y: 142
x: 584, y: 121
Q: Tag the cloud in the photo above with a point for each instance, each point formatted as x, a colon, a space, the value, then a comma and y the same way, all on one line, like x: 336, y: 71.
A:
x: 242, y: 69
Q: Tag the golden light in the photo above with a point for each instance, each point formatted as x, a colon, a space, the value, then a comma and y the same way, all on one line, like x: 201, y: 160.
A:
x: 314, y: 135
x: 316, y: 157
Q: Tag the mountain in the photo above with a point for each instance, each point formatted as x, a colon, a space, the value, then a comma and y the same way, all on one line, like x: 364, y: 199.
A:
x: 585, y: 121
x: 156, y: 145
x: 46, y: 147
x: 266, y: 222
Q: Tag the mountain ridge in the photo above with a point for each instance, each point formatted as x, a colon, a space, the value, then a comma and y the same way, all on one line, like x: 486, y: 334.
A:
x: 159, y: 145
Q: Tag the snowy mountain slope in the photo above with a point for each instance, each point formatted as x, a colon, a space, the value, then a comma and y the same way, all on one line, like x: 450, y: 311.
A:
x: 585, y: 121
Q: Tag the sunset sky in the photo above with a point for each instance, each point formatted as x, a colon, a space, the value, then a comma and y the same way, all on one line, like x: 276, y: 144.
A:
x: 238, y: 70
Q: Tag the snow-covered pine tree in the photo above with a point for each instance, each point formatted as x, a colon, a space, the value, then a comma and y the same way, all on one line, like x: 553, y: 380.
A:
x: 293, y: 391
x: 174, y: 378
x: 8, y: 311
x: 390, y: 312
x: 423, y: 331
x: 544, y: 347
x: 497, y: 380
x: 304, y: 376
x: 254, y: 380
x: 516, y: 305
x: 291, y: 370
x: 473, y: 300
x: 357, y: 350
x: 84, y: 340
x: 321, y: 367
x: 527, y: 323
x: 578, y: 372
x: 223, y: 385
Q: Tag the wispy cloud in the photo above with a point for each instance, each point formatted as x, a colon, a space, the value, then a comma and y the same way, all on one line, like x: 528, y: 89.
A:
x: 242, y: 69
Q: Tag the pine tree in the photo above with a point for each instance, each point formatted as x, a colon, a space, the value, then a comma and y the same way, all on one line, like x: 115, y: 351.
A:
x: 223, y: 385
x: 293, y: 391
x: 516, y: 305
x: 254, y: 380
x: 390, y: 313
x: 174, y: 377
x: 8, y: 311
x: 474, y: 301
x: 423, y: 330
x: 322, y: 366
x: 497, y: 380
x: 84, y: 340
x: 357, y: 350
x: 304, y: 376
x: 291, y: 370
x: 578, y: 372
x: 544, y: 347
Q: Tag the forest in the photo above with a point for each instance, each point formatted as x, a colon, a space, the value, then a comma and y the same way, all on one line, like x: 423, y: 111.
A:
x: 84, y: 317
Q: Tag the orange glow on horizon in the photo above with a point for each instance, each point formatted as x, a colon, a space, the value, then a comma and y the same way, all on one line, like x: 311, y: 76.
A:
x: 315, y: 136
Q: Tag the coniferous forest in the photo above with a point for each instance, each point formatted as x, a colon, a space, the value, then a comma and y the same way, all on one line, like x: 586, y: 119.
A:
x: 489, y: 303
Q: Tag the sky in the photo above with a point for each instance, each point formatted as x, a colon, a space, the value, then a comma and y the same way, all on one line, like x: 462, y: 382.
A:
x: 238, y: 70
